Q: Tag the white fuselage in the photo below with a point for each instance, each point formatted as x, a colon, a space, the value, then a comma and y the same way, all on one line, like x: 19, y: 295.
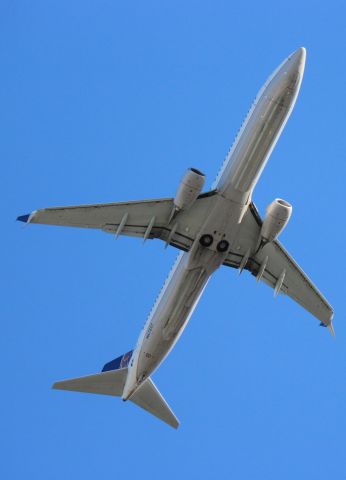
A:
x: 234, y: 185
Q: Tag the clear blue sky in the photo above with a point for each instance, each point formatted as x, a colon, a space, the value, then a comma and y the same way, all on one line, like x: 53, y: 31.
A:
x: 106, y: 101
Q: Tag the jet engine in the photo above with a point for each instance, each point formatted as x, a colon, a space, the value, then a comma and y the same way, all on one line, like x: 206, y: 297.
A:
x: 276, y: 219
x: 189, y: 189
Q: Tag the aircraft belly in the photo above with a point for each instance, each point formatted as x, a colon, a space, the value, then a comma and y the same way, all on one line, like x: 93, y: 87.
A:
x: 259, y: 134
x: 252, y: 150
x: 183, y: 302
x: 175, y: 308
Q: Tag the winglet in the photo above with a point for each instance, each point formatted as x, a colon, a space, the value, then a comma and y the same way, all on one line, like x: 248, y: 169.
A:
x: 23, y: 218
x: 27, y: 218
x: 329, y: 326
x: 331, y: 329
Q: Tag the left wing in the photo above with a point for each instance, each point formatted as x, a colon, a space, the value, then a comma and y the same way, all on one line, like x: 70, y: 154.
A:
x: 275, y: 266
x: 145, y: 218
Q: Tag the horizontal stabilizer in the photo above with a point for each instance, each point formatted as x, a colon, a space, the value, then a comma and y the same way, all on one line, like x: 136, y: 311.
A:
x: 112, y: 383
x: 107, y: 383
x: 149, y: 398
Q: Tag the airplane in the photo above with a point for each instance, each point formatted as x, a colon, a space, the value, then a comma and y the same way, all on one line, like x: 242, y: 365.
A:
x: 219, y: 227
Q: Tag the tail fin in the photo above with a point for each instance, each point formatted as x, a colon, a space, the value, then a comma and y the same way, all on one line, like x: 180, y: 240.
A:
x: 111, y: 381
x: 120, y: 362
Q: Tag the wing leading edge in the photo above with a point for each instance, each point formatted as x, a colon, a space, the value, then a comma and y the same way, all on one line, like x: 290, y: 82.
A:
x: 276, y: 267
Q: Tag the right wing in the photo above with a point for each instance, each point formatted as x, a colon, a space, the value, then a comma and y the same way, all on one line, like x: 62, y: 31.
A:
x: 145, y: 218
x: 273, y: 265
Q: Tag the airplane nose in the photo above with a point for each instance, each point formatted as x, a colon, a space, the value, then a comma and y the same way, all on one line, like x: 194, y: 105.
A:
x: 288, y: 76
x: 297, y: 60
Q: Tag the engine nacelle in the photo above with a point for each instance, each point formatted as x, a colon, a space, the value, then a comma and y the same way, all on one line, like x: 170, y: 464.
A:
x: 189, y: 189
x: 276, y: 219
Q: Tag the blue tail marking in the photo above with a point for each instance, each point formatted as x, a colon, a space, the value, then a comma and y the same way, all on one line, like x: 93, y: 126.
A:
x: 117, y: 363
x: 23, y: 218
